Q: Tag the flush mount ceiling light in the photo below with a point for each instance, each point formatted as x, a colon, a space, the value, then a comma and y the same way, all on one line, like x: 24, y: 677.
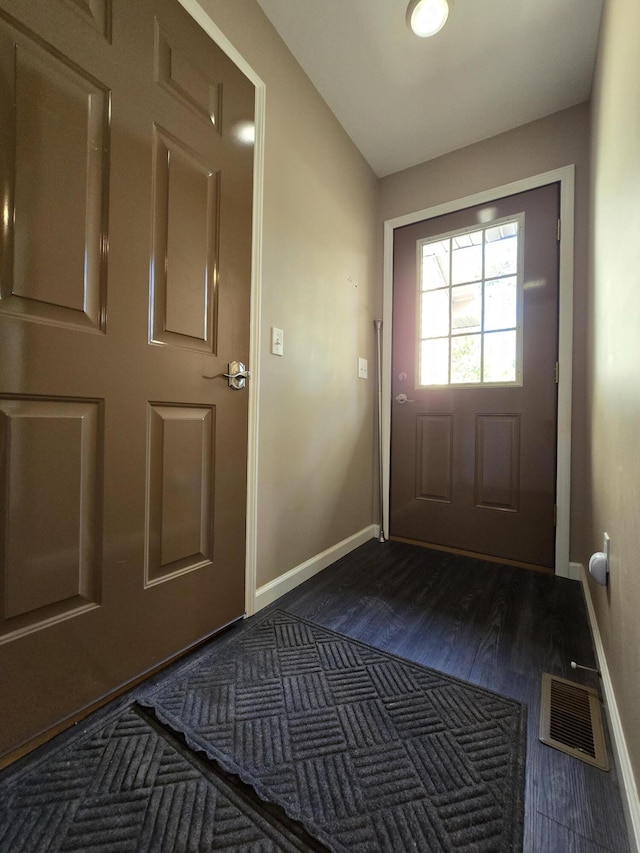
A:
x: 427, y: 17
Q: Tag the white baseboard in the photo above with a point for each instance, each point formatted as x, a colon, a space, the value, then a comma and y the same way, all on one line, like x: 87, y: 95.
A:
x: 629, y: 790
x: 285, y: 583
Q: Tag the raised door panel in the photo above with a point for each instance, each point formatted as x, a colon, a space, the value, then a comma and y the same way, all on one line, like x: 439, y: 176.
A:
x: 181, y: 441
x: 96, y: 13
x: 497, y: 464
x: 434, y: 458
x: 50, y: 482
x: 54, y: 175
x: 183, y: 275
x: 197, y: 88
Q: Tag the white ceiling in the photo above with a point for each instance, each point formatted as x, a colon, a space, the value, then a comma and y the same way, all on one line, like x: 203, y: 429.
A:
x: 403, y: 100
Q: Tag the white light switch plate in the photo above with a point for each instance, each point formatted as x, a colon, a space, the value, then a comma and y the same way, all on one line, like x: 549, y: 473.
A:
x: 362, y: 368
x: 277, y: 341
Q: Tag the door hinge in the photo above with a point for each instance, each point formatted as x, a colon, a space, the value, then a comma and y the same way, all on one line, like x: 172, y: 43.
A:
x: 555, y: 515
x: 557, y: 372
x: 558, y: 231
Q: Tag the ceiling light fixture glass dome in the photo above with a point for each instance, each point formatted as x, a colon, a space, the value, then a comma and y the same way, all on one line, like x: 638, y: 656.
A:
x: 427, y: 17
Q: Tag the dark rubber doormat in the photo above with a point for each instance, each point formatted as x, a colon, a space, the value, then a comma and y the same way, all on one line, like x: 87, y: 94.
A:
x: 368, y: 751
x: 124, y: 786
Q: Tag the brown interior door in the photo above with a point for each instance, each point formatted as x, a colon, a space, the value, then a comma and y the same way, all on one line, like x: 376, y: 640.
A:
x: 124, y: 294
x: 475, y: 331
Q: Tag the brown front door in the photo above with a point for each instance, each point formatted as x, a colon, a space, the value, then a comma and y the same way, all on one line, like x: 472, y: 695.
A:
x: 475, y: 329
x: 126, y: 174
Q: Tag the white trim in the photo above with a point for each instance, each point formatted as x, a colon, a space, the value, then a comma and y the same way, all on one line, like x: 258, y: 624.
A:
x: 293, y: 578
x: 629, y: 790
x: 255, y: 357
x: 202, y: 18
x: 207, y: 23
x: 565, y: 176
x: 575, y: 572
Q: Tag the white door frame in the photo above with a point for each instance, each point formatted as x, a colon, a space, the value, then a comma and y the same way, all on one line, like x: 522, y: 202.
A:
x: 209, y: 26
x: 565, y: 176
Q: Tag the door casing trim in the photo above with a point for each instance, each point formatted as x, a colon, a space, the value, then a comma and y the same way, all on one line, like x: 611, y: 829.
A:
x: 565, y: 176
x: 255, y: 323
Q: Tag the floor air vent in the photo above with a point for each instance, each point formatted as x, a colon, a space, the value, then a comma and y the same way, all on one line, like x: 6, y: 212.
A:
x: 571, y: 721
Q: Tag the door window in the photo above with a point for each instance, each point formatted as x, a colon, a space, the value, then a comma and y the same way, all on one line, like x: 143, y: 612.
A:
x: 470, y: 306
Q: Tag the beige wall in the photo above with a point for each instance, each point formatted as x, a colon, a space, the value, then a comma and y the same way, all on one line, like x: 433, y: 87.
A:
x: 613, y: 459
x: 535, y: 148
x: 316, y: 418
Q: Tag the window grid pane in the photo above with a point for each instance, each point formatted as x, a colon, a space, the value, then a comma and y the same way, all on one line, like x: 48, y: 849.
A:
x: 434, y: 361
x: 468, y: 318
x: 466, y: 359
x: 499, y: 364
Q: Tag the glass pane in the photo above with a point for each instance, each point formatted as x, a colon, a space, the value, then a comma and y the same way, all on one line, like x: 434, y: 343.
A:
x: 435, y: 314
x: 501, y: 250
x: 466, y: 262
x: 435, y: 265
x: 500, y: 357
x: 469, y: 238
x: 500, y: 303
x: 434, y: 362
x: 465, y: 359
x: 466, y: 308
x: 507, y: 229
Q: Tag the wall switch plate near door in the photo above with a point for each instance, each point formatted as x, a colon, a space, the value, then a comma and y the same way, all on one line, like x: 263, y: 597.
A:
x: 362, y: 368
x: 277, y: 341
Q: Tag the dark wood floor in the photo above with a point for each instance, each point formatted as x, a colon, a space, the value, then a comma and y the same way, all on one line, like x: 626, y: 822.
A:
x: 492, y: 625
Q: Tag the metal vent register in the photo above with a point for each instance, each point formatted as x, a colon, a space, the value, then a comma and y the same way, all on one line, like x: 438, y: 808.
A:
x: 571, y: 721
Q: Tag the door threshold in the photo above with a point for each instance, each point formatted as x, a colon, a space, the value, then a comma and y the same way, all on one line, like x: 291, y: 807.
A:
x: 489, y: 558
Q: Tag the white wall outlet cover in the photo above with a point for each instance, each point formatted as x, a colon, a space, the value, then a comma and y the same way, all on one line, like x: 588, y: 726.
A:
x: 363, y: 368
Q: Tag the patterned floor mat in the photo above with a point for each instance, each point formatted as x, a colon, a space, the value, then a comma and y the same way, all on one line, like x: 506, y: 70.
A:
x: 369, y: 751
x: 128, y: 787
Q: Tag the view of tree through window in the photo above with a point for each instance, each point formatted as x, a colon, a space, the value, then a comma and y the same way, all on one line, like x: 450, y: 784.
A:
x: 470, y: 293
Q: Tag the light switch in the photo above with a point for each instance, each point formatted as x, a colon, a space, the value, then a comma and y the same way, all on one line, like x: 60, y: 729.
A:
x: 362, y: 368
x: 277, y: 341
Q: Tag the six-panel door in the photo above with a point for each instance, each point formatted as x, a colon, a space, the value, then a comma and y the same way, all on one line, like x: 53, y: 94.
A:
x: 124, y: 293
